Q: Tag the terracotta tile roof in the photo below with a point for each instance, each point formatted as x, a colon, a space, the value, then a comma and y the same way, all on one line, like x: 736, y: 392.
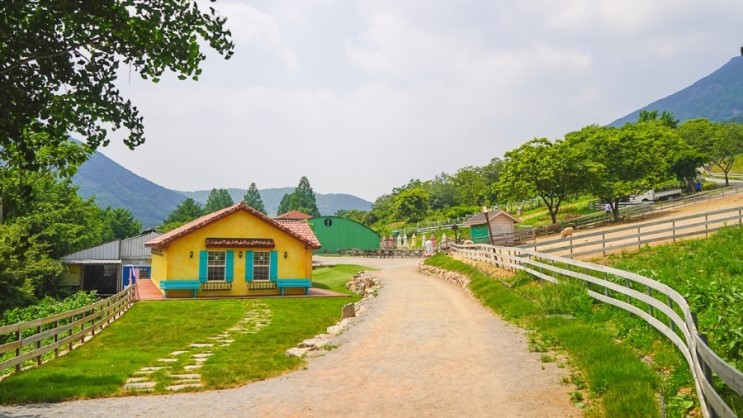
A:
x: 301, y: 228
x: 294, y: 215
x: 163, y: 240
x: 479, y: 219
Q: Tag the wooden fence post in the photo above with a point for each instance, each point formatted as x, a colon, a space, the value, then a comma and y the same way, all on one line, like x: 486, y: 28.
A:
x: 56, y: 338
x: 18, y: 337
x: 38, y: 345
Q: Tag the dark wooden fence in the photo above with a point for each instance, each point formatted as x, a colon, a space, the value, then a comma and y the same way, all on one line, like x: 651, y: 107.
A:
x: 656, y: 303
x: 30, y: 343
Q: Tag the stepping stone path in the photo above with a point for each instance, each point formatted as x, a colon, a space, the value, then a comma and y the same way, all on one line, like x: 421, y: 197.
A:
x: 180, y: 369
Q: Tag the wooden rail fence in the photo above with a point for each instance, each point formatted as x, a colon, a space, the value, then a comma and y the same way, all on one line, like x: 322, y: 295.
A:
x: 656, y: 303
x: 635, y: 236
x: 27, y: 343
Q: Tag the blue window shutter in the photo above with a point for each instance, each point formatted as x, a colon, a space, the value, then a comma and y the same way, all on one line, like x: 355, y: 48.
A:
x: 203, y: 265
x: 273, y: 267
x: 229, y: 265
x: 248, y: 266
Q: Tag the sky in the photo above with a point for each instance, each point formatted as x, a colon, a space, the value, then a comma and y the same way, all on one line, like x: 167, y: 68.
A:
x: 361, y: 96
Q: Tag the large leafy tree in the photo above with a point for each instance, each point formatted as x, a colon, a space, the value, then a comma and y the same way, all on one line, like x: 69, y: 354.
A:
x: 411, y: 205
x: 718, y: 143
x: 624, y: 161
x: 54, y: 222
x: 442, y: 192
x: 551, y: 170
x: 471, y: 187
x: 302, y: 199
x: 253, y: 199
x: 218, y: 199
x: 666, y: 118
x: 119, y: 223
x: 59, y: 61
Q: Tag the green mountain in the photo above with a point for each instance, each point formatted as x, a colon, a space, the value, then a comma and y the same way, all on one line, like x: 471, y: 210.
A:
x: 717, y: 97
x: 328, y: 204
x: 115, y: 186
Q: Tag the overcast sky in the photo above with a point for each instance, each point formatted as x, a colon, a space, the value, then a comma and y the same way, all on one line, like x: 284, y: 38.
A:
x: 362, y: 96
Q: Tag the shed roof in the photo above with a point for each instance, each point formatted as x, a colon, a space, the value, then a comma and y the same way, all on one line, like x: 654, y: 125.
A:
x: 114, y: 251
x: 479, y: 219
x: 163, y: 240
x: 301, y: 228
x: 293, y: 215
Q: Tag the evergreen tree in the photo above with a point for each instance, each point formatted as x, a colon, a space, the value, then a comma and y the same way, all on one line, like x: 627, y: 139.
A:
x: 286, y: 203
x: 253, y: 199
x: 218, y: 199
x: 303, y: 198
x: 187, y: 211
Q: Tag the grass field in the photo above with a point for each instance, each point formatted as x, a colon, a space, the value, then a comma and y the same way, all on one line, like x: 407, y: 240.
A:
x: 151, y: 330
x: 709, y: 273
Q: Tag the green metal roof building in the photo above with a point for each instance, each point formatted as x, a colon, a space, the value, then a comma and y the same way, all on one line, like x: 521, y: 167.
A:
x: 337, y: 234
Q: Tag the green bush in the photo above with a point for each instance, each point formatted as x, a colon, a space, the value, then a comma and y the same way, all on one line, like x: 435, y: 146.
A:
x: 47, y: 307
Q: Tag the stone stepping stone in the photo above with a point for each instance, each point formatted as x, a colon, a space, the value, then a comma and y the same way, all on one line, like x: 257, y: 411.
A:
x: 154, y: 368
x: 192, y: 367
x: 201, y: 345
x: 226, y: 341
x: 178, y: 353
x: 202, y: 355
x: 191, y: 376
x: 137, y: 380
x: 168, y: 360
x: 183, y: 386
x: 200, y: 359
x: 140, y: 386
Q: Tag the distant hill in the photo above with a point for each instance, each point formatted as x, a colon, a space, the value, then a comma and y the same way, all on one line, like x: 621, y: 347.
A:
x: 115, y: 186
x: 328, y: 204
x: 717, y: 97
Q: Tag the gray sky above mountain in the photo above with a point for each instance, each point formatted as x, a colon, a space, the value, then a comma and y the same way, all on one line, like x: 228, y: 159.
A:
x: 361, y: 96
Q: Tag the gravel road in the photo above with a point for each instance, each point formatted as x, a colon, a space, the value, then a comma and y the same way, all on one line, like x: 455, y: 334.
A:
x: 423, y: 347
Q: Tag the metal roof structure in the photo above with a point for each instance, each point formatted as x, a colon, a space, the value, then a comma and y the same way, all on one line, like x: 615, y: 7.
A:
x: 127, y: 251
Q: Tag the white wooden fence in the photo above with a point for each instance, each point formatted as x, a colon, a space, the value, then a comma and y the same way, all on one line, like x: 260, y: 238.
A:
x: 635, y: 236
x: 654, y: 302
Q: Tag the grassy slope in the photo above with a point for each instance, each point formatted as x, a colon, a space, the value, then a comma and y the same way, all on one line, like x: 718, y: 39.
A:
x: 151, y: 330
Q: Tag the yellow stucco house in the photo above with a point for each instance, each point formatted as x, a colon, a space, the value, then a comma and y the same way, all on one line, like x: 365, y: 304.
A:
x: 236, y: 251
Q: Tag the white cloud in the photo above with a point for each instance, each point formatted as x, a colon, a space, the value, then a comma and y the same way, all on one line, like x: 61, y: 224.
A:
x: 361, y: 96
x: 250, y: 26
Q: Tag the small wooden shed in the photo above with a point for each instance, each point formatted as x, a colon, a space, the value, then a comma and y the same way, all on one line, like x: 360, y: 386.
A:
x: 501, y: 227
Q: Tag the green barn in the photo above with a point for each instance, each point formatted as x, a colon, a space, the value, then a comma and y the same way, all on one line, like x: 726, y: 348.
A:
x: 337, y: 234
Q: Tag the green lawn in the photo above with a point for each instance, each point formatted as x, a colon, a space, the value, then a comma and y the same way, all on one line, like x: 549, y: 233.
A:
x: 151, y: 330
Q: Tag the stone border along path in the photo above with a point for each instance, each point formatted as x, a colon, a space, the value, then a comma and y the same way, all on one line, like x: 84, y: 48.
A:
x: 180, y: 370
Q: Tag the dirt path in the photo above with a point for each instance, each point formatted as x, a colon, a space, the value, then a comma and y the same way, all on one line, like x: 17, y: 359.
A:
x: 422, y: 348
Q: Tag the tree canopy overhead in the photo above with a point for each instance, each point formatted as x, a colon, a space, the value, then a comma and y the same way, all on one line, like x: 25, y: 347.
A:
x: 59, y: 62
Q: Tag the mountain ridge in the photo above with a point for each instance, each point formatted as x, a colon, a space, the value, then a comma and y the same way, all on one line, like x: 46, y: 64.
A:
x: 116, y: 186
x: 717, y: 97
